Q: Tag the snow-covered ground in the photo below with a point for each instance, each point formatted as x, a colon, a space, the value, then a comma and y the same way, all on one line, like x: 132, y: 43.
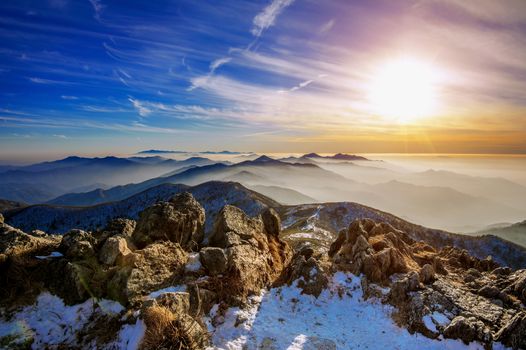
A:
x: 281, y: 318
x: 49, y: 323
x: 339, y: 318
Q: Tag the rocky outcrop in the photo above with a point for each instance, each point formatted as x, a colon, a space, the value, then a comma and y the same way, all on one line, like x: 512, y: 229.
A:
x: 121, y: 226
x: 114, y: 249
x: 309, y: 270
x: 78, y: 245
x: 20, y: 270
x: 214, y: 260
x: 439, y: 293
x: 376, y: 249
x: 514, y: 332
x: 157, y: 266
x: 181, y: 220
x: 255, y: 254
x: 481, y: 299
x: 468, y: 329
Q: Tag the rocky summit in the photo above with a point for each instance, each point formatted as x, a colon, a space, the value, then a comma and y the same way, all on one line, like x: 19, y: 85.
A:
x: 159, y: 283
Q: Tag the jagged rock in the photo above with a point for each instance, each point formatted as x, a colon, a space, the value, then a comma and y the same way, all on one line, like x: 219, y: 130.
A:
x: 232, y: 226
x: 180, y: 220
x: 514, y: 332
x: 121, y: 226
x: 501, y: 271
x: 271, y: 221
x: 15, y: 243
x: 402, y: 286
x: 1, y: 219
x: 518, y: 286
x: 309, y: 272
x: 177, y: 302
x: 468, y: 330
x: 377, y: 250
x: 154, y: 267
x: 427, y: 274
x: 72, y: 282
x: 114, y: 248
x: 201, y: 300
x: 78, y: 244
x: 489, y: 291
x: 460, y: 258
x: 255, y: 257
x: 20, y: 270
x: 214, y: 259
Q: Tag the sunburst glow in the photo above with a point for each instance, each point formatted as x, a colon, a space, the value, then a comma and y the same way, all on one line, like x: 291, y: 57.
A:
x: 404, y: 90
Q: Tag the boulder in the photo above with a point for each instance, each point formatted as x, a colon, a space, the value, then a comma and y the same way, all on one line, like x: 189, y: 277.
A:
x: 155, y: 267
x: 401, y: 287
x: 255, y: 257
x: 1, y: 219
x: 232, y: 226
x: 113, y: 249
x: 176, y: 302
x: 427, y: 274
x: 513, y: 334
x: 181, y: 220
x: 489, y: 291
x: 501, y: 271
x: 468, y: 330
x: 517, y: 287
x: 21, y: 272
x: 78, y: 244
x: 271, y: 222
x: 214, y: 260
x: 124, y: 227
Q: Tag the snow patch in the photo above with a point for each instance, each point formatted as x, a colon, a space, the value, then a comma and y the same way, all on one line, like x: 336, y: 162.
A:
x: 50, y: 256
x: 283, y: 318
x: 193, y: 264
x: 49, y: 322
x: 172, y: 289
x: 130, y: 336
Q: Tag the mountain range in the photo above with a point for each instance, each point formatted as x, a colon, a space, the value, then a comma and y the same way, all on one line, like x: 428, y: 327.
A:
x: 439, y: 204
x: 322, y: 221
x: 42, y: 182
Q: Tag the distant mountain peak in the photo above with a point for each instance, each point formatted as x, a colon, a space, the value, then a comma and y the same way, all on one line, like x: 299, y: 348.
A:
x: 337, y: 156
x: 311, y: 155
x: 264, y: 158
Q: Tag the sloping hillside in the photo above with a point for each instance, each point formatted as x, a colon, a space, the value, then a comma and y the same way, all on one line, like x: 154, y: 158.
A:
x: 60, y: 219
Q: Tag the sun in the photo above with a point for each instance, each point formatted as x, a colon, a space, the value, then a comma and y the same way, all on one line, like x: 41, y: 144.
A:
x: 404, y: 90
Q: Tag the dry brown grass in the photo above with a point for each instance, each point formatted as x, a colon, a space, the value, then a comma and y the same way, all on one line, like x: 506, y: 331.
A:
x: 167, y: 331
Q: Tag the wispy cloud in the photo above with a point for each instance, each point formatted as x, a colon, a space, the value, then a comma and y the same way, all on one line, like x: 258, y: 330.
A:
x: 98, y: 7
x: 297, y: 87
x: 60, y: 136
x: 327, y: 26
x: 140, y: 107
x: 267, y: 17
x: 218, y: 63
x: 69, y: 97
x: 103, y: 109
x: 37, y: 80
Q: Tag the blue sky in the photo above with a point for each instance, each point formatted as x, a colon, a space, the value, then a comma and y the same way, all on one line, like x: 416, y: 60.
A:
x: 101, y: 76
